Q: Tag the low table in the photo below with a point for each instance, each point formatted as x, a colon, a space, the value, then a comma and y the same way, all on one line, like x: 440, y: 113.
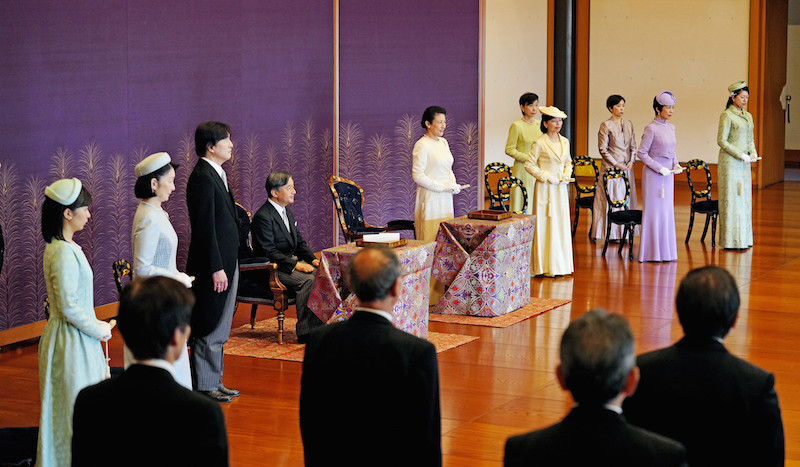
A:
x: 484, y: 264
x: 411, y: 311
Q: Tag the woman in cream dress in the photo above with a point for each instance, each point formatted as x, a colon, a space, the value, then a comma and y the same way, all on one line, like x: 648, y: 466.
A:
x: 70, y: 354
x: 521, y: 136
x: 550, y: 163
x: 432, y: 171
x: 735, y: 185
x: 155, y: 243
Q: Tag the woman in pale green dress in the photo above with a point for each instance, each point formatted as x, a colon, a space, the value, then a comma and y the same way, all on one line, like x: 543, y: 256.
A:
x: 521, y: 136
x: 735, y: 184
x: 70, y: 354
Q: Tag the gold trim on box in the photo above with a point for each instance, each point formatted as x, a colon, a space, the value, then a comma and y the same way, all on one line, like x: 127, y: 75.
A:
x: 401, y: 242
x: 489, y: 215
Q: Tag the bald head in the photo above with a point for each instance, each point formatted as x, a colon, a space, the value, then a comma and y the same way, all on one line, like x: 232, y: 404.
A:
x: 372, y: 273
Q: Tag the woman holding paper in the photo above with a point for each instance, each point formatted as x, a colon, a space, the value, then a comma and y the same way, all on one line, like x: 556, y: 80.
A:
x: 432, y: 171
x: 737, y: 151
x: 70, y: 355
x: 551, y: 165
x: 657, y: 151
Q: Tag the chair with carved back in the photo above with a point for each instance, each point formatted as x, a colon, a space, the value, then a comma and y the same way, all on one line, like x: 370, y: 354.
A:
x: 504, y: 187
x: 492, y: 174
x: 701, y: 201
x: 258, y: 278
x: 584, y: 193
x: 348, y: 197
x: 628, y: 218
x: 121, y: 269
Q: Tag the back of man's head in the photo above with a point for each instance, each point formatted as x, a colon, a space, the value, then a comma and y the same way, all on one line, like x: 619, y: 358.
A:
x: 597, y: 355
x: 707, y: 302
x: 372, y: 273
x: 150, y: 310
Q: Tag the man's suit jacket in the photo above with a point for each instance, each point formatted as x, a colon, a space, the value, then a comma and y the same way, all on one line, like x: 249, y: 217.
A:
x: 143, y: 417
x: 722, y: 408
x: 271, y: 239
x: 214, y: 244
x: 369, y: 395
x: 593, y: 436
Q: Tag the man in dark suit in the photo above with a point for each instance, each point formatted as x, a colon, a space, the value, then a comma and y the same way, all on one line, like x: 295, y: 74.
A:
x: 275, y: 236
x: 213, y: 253
x: 154, y: 420
x: 723, y: 409
x: 369, y: 394
x: 598, y: 368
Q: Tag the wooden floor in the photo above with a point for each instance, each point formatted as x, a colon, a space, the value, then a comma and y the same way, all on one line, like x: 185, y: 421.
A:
x: 503, y: 383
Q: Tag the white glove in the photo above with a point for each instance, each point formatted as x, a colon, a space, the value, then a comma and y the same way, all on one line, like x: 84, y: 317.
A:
x: 184, y: 279
x: 455, y: 188
x: 106, y: 328
x: 677, y: 169
x: 753, y: 157
x: 664, y: 171
x: 745, y: 157
x: 551, y: 179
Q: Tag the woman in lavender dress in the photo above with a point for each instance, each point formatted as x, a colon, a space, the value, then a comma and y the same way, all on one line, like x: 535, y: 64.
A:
x: 657, y: 151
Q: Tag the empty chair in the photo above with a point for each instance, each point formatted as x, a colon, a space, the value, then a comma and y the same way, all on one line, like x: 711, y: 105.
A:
x: 495, y: 171
x: 348, y: 197
x: 628, y: 218
x: 702, y: 202
x: 504, y: 187
x: 584, y: 194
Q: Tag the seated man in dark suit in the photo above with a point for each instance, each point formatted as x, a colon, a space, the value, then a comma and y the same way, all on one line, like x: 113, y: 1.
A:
x: 275, y: 236
x: 369, y: 394
x: 144, y: 417
x: 723, y: 409
x: 598, y: 368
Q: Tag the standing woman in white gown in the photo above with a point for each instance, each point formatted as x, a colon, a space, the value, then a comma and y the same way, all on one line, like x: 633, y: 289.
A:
x: 432, y: 171
x: 155, y: 243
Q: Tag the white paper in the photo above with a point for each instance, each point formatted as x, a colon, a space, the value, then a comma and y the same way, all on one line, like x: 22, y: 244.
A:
x: 382, y: 238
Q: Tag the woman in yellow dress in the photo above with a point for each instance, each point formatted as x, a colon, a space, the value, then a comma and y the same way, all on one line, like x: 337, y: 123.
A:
x: 521, y: 136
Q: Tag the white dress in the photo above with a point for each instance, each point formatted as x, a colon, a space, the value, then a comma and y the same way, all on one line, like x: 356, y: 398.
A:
x: 155, y: 247
x: 552, y: 237
x: 432, y: 171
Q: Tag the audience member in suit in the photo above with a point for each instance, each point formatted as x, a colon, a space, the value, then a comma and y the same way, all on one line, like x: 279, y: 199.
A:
x: 275, y: 235
x: 155, y: 420
x: 598, y: 367
x: 369, y: 394
x: 724, y: 409
x: 213, y: 255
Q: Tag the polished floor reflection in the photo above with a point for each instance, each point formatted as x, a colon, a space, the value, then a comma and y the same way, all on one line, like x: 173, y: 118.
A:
x: 503, y: 383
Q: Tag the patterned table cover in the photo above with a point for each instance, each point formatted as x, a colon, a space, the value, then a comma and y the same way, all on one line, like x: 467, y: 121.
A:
x: 411, y: 311
x: 485, y: 264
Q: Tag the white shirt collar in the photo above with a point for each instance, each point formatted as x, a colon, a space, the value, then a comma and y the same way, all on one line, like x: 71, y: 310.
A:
x: 216, y: 166
x: 278, y: 207
x: 157, y: 363
x: 385, y: 314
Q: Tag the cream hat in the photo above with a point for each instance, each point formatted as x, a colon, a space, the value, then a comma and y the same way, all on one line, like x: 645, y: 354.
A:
x: 152, y: 163
x: 666, y: 98
x: 64, y: 191
x: 552, y: 111
x: 736, y: 86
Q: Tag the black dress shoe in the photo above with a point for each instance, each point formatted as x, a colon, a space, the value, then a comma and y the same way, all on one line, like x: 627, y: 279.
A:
x: 228, y: 391
x: 216, y: 395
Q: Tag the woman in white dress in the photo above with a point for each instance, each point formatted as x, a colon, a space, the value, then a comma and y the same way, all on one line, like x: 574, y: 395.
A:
x: 155, y: 243
x: 432, y: 171
x: 70, y: 354
x: 550, y: 163
x: 521, y: 136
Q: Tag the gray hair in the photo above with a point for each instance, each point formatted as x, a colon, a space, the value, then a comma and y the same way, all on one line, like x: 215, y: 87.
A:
x: 276, y: 181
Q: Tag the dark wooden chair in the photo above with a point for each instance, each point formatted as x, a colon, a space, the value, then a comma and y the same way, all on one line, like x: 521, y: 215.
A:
x: 584, y: 194
x: 258, y: 278
x: 702, y: 202
x: 348, y: 197
x: 628, y: 218
x: 121, y: 269
x: 504, y: 187
x: 495, y: 170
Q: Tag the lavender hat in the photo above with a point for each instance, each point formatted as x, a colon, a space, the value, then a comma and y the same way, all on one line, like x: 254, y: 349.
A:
x: 666, y: 98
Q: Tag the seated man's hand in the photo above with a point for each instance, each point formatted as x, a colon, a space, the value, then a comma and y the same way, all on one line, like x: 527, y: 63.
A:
x: 304, y: 267
x: 315, y: 263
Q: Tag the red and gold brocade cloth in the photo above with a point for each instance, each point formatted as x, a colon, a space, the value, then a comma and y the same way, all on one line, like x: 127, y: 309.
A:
x: 411, y: 311
x: 484, y: 264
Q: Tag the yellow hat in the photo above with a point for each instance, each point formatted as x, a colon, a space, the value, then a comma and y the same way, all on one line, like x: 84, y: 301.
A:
x: 552, y: 111
x: 64, y: 191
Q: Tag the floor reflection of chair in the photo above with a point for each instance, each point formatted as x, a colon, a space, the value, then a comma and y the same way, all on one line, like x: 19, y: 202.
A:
x: 584, y: 194
x: 701, y: 201
x: 492, y: 173
x: 628, y: 218
x: 348, y: 197
x: 504, y: 187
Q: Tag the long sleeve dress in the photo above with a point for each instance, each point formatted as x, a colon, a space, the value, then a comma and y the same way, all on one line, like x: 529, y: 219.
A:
x: 735, y: 185
x: 657, y: 150
x: 432, y: 171
x: 552, y: 237
x: 617, y: 147
x: 70, y: 354
x: 155, y: 247
x: 521, y: 136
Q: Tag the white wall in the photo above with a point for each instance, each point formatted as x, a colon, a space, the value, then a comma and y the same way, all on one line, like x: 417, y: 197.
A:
x: 793, y: 87
x: 515, y: 63
x: 694, y: 48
